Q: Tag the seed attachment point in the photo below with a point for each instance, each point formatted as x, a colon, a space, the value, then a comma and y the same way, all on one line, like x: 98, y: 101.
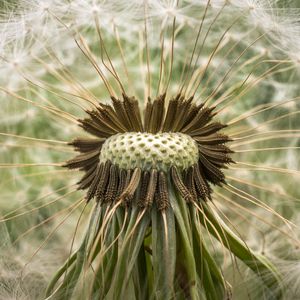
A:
x: 149, y: 151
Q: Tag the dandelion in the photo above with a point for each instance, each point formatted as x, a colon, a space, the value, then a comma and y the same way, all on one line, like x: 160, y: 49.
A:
x: 184, y: 117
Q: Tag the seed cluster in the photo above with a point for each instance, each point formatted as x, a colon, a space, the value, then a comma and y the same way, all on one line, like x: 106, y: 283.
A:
x: 135, y: 157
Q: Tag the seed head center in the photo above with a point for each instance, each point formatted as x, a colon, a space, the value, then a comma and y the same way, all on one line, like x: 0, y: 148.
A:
x: 147, y: 151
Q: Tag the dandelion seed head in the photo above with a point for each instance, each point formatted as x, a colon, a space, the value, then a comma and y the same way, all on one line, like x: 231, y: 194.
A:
x: 72, y: 67
x: 166, y: 142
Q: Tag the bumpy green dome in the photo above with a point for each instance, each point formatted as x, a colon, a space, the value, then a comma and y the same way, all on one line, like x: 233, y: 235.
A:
x: 145, y: 150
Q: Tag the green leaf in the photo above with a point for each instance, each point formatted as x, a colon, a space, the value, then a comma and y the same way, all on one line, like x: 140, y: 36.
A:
x: 207, y: 269
x: 259, y: 264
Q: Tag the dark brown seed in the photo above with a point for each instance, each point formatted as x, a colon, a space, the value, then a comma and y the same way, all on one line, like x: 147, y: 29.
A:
x: 189, y: 182
x: 132, y: 110
x: 157, y: 115
x: 86, y: 145
x: 181, y: 188
x: 144, y: 187
x: 132, y: 186
x: 147, y: 115
x: 151, y: 188
x: 162, y: 199
x: 81, y: 160
x: 121, y: 113
x: 201, y: 184
x: 112, y: 186
x: 208, y: 129
x: 122, y: 182
x: 213, y: 139
x: 93, y: 188
x: 183, y: 111
x: 214, y: 174
x: 88, y: 178
x: 103, y: 182
x: 171, y: 111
